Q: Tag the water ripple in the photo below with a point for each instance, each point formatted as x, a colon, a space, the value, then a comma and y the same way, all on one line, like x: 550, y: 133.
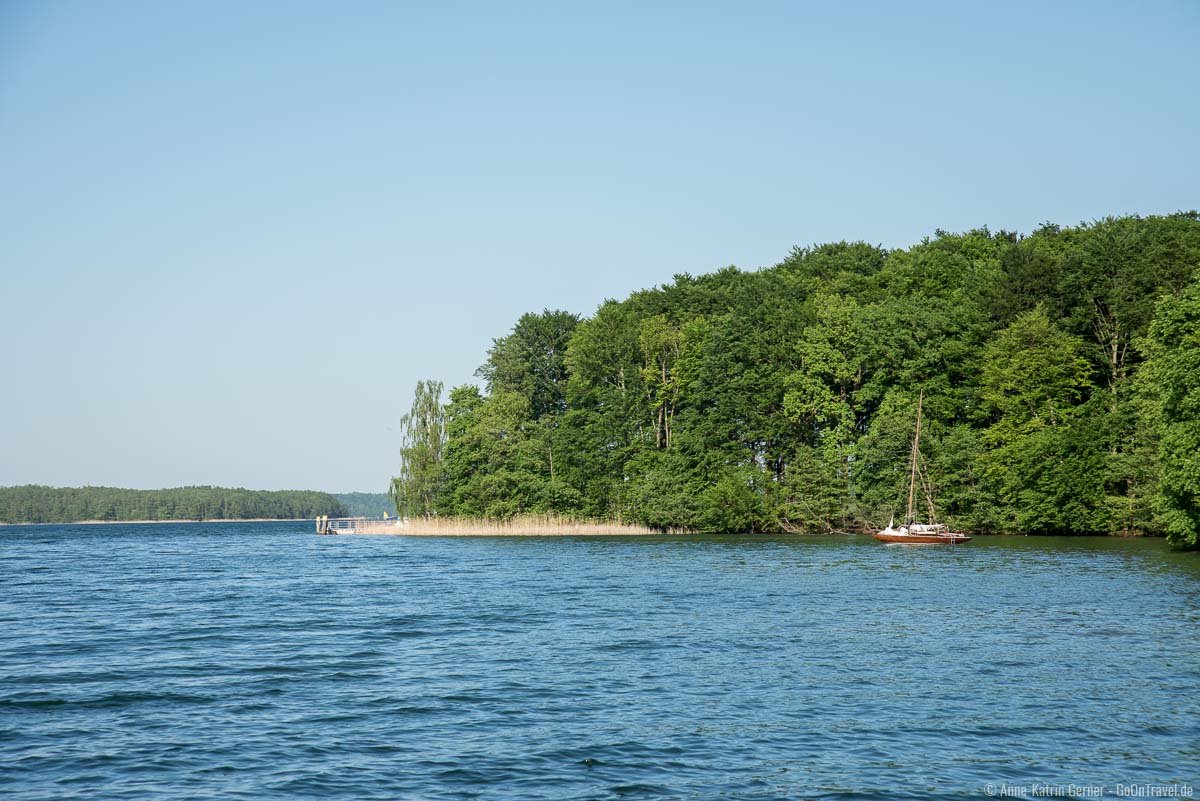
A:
x: 256, y: 661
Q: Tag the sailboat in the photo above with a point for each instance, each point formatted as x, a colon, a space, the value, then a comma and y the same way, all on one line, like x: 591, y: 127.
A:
x: 913, y: 532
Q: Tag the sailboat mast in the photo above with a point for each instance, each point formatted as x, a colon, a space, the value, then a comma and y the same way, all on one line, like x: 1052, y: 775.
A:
x: 912, y: 480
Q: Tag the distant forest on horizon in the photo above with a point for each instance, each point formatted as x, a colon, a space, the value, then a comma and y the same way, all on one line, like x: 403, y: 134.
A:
x: 1060, y: 372
x: 34, y: 503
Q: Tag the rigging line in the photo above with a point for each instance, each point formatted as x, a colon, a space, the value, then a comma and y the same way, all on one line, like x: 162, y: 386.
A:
x: 916, y: 451
x: 927, y: 486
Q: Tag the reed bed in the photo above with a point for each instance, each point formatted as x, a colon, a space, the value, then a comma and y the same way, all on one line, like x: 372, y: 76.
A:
x: 528, y: 526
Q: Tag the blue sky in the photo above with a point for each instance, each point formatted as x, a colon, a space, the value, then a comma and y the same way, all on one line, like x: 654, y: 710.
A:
x: 235, y: 237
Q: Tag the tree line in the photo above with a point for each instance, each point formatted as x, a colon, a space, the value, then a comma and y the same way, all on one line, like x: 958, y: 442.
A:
x: 39, y: 504
x: 1060, y: 372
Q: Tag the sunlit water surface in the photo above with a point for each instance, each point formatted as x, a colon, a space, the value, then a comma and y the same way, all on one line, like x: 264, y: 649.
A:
x: 258, y: 661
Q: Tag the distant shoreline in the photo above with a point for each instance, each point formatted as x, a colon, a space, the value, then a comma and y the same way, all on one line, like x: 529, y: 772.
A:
x: 376, y: 527
x: 37, y: 503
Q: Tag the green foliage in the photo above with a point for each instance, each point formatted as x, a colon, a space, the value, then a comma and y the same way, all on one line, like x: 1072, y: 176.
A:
x: 786, y: 398
x: 1033, y: 375
x: 661, y: 490
x: 1043, y: 460
x: 499, y: 461
x: 418, y: 488
x: 532, y: 361
x: 38, y: 504
x: 1172, y: 382
x: 735, y: 501
x: 659, y: 343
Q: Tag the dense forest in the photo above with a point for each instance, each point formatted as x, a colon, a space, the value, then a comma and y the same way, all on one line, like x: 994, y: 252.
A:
x: 1060, y: 372
x: 37, y: 504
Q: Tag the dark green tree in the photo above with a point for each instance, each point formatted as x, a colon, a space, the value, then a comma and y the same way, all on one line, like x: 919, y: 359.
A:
x: 1042, y: 455
x: 1172, y: 382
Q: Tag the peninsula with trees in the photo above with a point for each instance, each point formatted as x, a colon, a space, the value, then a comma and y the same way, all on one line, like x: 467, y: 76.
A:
x: 1060, y: 372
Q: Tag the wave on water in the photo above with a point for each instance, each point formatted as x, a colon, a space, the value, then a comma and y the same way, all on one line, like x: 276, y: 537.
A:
x: 262, y: 662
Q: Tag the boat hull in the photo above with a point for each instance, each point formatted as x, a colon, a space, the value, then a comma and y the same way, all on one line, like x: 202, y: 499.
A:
x: 921, y: 539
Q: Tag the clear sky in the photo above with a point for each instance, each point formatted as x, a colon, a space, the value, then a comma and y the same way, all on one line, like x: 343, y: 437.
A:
x: 236, y: 234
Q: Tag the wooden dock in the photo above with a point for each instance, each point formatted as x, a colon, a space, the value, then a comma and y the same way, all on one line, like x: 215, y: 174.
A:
x: 351, y: 525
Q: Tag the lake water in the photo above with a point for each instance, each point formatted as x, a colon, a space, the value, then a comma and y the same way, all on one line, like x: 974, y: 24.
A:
x: 258, y: 661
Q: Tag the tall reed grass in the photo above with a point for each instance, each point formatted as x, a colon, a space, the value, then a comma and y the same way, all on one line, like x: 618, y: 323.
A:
x: 526, y: 526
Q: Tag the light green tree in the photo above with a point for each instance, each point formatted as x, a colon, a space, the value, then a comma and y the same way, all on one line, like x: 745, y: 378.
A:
x: 659, y: 342
x: 416, y: 491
